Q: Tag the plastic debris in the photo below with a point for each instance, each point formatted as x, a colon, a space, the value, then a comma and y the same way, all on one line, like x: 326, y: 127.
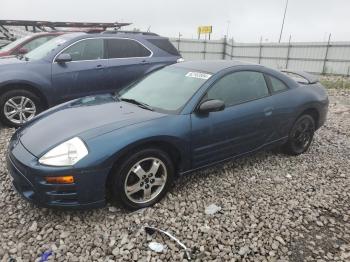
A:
x: 45, y: 256
x: 157, y: 247
x: 150, y: 230
x: 289, y: 176
x: 139, y: 211
x: 212, y: 209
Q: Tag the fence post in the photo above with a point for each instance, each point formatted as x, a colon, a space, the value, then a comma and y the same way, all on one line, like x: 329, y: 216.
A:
x: 288, y: 51
x: 178, y: 43
x: 260, y: 49
x: 232, y: 49
x: 225, y: 46
x: 325, y: 57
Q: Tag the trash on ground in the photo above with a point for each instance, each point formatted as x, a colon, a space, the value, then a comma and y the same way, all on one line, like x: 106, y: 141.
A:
x: 157, y: 247
x: 150, y: 230
x: 45, y: 256
x: 139, y: 211
x: 212, y: 209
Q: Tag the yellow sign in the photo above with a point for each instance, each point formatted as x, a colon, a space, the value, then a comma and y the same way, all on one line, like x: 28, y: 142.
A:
x: 205, y: 29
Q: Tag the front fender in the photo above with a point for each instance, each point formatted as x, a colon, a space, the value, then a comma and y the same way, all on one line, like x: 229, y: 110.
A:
x: 106, y: 149
x: 40, y: 81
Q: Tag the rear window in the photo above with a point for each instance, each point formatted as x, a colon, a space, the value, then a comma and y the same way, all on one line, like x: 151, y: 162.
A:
x: 165, y: 45
x: 124, y: 48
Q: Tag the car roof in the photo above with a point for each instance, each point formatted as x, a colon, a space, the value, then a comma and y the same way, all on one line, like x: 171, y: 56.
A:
x: 39, y: 34
x: 210, y: 66
x: 136, y: 36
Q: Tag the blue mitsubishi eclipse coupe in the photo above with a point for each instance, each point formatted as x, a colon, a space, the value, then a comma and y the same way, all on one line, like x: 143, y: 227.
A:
x: 132, y: 144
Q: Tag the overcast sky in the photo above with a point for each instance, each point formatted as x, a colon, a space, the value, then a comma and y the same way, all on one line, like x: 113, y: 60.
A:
x: 248, y: 20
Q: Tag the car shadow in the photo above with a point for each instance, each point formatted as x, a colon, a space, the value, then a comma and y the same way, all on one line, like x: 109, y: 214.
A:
x: 181, y: 182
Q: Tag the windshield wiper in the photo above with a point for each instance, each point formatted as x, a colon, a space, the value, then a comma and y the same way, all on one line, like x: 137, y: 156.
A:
x: 20, y: 57
x: 138, y: 103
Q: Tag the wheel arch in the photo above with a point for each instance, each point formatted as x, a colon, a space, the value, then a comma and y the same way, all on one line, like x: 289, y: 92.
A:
x: 175, y: 153
x: 25, y: 86
x: 313, y: 112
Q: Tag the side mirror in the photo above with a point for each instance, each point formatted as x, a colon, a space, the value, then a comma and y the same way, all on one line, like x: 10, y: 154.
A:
x: 22, y: 51
x: 211, y: 106
x: 63, y: 58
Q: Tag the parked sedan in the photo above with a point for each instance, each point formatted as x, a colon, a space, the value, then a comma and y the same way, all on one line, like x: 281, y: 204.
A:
x: 28, y: 43
x: 76, y: 65
x: 176, y: 120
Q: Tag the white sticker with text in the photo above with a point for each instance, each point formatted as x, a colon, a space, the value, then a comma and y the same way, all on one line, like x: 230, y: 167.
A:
x: 198, y: 75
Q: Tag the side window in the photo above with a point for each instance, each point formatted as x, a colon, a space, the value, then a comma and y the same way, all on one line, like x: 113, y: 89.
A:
x: 277, y: 85
x: 37, y: 42
x: 123, y: 48
x: 90, y: 49
x: 239, y: 87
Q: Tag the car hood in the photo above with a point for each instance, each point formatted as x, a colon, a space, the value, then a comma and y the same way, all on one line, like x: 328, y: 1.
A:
x: 11, y: 60
x: 86, y: 118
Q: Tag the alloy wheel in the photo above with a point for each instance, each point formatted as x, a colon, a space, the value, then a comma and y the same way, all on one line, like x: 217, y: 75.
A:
x: 145, y: 180
x: 19, y: 109
x: 303, y: 134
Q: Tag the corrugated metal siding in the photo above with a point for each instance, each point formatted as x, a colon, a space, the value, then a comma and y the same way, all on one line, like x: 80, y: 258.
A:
x: 308, y: 56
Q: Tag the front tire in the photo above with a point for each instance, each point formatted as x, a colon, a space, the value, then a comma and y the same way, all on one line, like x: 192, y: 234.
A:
x: 18, y: 107
x: 300, y: 136
x: 143, y: 178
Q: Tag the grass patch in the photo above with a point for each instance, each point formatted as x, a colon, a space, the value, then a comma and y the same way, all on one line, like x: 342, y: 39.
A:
x: 335, y: 82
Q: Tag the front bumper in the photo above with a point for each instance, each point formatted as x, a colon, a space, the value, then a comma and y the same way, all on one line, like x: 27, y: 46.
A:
x: 88, y: 190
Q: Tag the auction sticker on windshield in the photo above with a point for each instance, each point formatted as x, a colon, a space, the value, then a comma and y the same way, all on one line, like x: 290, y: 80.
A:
x: 198, y: 75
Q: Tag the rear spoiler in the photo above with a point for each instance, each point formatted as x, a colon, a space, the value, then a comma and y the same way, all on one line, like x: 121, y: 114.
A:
x: 301, y: 76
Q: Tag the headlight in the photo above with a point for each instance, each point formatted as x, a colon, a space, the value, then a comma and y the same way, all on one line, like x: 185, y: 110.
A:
x: 66, y: 154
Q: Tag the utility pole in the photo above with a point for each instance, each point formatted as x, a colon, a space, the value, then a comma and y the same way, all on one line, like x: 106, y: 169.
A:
x: 284, y: 17
x: 227, y: 29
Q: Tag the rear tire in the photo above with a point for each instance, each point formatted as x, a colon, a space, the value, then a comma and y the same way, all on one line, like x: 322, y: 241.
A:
x: 18, y: 106
x: 142, y: 178
x: 300, y: 136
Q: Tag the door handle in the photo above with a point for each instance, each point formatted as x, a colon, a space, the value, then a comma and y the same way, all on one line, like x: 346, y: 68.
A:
x: 268, y: 111
x: 144, y: 62
x: 99, y: 67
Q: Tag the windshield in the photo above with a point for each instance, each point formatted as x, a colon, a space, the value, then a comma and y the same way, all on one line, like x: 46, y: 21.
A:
x: 167, y: 90
x: 43, y: 50
x: 15, y: 43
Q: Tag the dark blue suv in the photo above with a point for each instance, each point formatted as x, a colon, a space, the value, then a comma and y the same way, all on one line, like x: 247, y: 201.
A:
x: 76, y: 65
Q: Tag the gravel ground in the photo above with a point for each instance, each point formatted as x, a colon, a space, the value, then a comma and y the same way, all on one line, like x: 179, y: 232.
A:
x: 273, y: 208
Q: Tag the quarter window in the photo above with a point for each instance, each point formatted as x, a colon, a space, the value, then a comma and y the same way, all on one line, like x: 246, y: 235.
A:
x: 90, y: 49
x: 124, y: 48
x: 165, y: 45
x: 239, y: 87
x: 277, y: 85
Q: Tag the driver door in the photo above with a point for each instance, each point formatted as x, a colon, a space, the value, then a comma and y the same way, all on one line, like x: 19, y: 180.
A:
x: 241, y: 127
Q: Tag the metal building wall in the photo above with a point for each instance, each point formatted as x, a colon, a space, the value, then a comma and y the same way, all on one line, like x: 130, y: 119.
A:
x: 314, y: 57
